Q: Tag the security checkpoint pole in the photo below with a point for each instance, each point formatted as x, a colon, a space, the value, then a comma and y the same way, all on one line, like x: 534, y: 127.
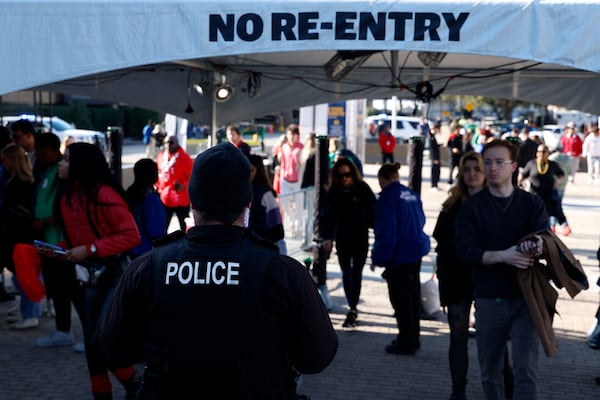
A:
x: 320, y: 255
x: 415, y: 163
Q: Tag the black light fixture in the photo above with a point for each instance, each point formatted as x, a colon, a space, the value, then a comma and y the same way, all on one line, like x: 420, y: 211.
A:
x: 344, y: 62
x: 223, y: 91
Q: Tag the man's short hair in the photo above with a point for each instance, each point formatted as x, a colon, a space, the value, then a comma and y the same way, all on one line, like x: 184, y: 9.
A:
x: 23, y: 125
x: 47, y: 140
x: 512, y: 148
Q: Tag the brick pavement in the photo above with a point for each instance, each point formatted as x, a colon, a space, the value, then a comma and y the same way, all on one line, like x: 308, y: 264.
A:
x: 362, y: 369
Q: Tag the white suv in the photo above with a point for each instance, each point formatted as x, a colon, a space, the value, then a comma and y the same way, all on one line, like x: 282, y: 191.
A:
x: 406, y: 127
x: 61, y: 128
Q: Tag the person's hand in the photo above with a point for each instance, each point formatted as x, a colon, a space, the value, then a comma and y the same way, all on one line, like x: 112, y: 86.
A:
x: 515, y: 257
x: 532, y: 247
x: 77, y: 254
x: 328, y: 245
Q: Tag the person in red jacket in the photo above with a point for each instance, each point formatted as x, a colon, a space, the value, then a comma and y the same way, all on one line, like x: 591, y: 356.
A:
x: 174, y: 169
x: 387, y: 143
x: 572, y: 145
x: 98, y: 228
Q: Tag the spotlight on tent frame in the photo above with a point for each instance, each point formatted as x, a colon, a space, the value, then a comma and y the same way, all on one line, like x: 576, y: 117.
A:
x: 431, y: 58
x: 223, y: 91
x: 344, y: 62
x: 201, y: 87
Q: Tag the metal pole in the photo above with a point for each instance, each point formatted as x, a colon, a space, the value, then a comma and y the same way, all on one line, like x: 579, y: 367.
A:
x: 115, y: 146
x: 321, y: 177
x: 415, y: 163
x: 213, y: 124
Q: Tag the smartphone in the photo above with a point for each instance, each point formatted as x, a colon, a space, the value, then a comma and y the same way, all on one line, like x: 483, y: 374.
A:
x: 44, y: 246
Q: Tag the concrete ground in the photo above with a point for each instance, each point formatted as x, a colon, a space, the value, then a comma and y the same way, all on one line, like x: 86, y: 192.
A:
x: 361, y: 368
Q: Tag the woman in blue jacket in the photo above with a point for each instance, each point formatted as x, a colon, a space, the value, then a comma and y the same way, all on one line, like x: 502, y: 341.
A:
x: 400, y: 243
x: 144, y: 202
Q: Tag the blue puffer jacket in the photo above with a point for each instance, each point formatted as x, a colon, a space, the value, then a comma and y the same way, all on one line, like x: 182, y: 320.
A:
x: 399, y: 222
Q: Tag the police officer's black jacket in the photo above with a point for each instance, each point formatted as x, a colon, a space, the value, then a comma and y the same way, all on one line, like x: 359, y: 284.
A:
x: 218, y: 314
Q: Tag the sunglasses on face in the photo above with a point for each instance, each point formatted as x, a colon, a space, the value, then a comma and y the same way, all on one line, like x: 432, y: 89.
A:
x: 344, y: 174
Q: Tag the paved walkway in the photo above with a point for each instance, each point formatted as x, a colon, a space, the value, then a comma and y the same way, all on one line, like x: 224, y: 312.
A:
x: 362, y: 369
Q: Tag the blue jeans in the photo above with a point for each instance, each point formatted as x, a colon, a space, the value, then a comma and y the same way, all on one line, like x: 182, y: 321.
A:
x: 28, y: 308
x: 499, y: 320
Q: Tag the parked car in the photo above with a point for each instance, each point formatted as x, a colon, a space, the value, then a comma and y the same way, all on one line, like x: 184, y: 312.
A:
x: 406, y: 127
x: 551, y: 135
x: 61, y: 128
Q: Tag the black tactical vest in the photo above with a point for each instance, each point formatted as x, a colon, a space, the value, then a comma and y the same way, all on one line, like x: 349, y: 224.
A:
x: 211, y: 333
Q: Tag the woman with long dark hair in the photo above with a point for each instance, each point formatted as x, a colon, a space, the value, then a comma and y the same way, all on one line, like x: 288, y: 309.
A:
x: 145, y: 205
x: 98, y: 229
x: 347, y: 219
x: 265, y: 215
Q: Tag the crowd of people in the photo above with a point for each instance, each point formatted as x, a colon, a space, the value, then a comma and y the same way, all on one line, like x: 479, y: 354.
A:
x: 509, y: 189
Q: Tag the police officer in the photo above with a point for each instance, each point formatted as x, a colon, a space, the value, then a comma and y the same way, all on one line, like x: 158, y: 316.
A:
x: 217, y: 312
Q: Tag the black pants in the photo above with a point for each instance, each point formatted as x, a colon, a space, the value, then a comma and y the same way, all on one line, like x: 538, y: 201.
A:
x: 387, y: 156
x: 181, y: 212
x: 58, y: 281
x: 352, y: 261
x: 554, y: 209
x: 404, y: 286
x: 435, y: 173
x: 319, y: 269
x: 458, y: 320
x: 454, y: 163
x: 91, y: 304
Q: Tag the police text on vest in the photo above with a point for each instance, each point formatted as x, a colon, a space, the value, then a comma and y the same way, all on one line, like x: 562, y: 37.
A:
x: 214, y: 273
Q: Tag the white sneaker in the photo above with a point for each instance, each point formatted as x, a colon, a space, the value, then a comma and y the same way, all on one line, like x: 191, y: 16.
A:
x: 27, y: 323
x: 79, y: 347
x: 56, y: 339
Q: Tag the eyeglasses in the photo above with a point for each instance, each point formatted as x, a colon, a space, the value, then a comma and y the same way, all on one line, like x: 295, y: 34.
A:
x: 344, y: 174
x: 499, y: 163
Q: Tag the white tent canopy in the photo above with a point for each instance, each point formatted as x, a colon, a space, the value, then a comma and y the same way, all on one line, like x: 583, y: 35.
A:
x: 150, y: 53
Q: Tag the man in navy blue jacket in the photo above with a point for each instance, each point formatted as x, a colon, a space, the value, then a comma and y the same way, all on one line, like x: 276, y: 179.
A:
x: 399, y: 245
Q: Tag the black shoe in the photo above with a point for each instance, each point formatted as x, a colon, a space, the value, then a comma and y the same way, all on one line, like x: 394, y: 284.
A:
x: 102, y: 396
x: 351, y: 319
x: 395, y: 348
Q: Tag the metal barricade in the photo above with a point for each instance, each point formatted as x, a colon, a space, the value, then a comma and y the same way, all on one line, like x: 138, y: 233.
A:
x: 297, y: 213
